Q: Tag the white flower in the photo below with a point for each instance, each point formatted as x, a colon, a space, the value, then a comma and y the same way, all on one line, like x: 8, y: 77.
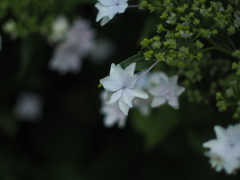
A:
x: 66, y: 58
x: 112, y: 113
x: 82, y: 35
x: 68, y: 55
x: 225, y: 150
x: 28, y: 107
x: 166, y: 90
x: 59, y: 29
x: 109, y: 8
x: 122, y: 88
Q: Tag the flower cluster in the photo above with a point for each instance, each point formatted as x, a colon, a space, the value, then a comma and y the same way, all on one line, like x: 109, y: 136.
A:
x: 74, y: 44
x: 123, y: 86
x: 224, y: 151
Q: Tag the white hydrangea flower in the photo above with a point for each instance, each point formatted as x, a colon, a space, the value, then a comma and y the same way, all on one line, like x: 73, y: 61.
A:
x: 59, y: 29
x: 112, y: 113
x: 68, y: 55
x: 165, y: 90
x: 109, y: 8
x: 225, y: 150
x: 28, y: 107
x: 82, y: 35
x: 66, y: 58
x: 122, y: 88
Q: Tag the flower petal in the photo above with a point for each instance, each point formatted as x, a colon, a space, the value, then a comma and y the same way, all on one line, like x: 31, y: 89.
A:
x: 220, y: 132
x: 173, y: 81
x: 110, y: 84
x: 179, y: 90
x: 173, y: 101
x: 137, y: 92
x: 107, y: 2
x: 157, y: 101
x: 103, y: 11
x: 130, y: 69
x: 127, y: 97
x: 113, y: 97
x: 122, y: 8
x: 104, y: 20
x: 123, y: 106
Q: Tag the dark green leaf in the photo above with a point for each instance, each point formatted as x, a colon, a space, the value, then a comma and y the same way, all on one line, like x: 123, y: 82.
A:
x: 140, y: 60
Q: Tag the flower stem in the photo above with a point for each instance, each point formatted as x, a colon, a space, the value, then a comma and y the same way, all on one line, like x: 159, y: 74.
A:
x: 147, y: 71
x: 134, y: 6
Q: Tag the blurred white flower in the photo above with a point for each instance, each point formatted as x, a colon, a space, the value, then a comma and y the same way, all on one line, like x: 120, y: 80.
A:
x: 101, y: 49
x: 109, y: 8
x: 68, y: 55
x: 66, y: 59
x: 59, y: 29
x: 112, y: 113
x: 166, y: 90
x: 10, y: 27
x: 225, y: 150
x: 121, y: 86
x: 82, y: 35
x: 28, y: 107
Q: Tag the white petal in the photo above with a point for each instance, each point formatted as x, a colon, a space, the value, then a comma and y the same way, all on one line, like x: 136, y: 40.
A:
x: 137, y: 92
x: 130, y: 69
x: 173, y: 101
x: 123, y: 106
x: 157, y: 101
x: 173, y: 81
x: 114, y: 97
x: 110, y: 84
x: 210, y: 144
x: 103, y: 11
x: 107, y: 2
x: 127, y: 97
x: 112, y: 11
x: 122, y: 1
x: 179, y: 90
x: 122, y: 8
x: 116, y: 72
x: 220, y: 132
x: 104, y: 20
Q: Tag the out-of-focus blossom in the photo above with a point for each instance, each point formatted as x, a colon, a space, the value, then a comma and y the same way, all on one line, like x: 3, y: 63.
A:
x: 166, y: 90
x: 121, y: 87
x: 224, y: 151
x: 102, y: 48
x: 112, y: 113
x: 66, y: 59
x: 10, y: 28
x: 109, y: 8
x: 78, y: 42
x: 28, y: 107
x: 82, y: 35
x: 59, y: 29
